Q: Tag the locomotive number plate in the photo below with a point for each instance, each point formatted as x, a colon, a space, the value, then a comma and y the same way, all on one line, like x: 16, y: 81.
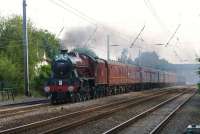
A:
x: 60, y: 83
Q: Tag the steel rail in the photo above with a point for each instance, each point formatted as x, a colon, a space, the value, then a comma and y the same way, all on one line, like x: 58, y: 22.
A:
x: 19, y: 110
x: 140, y: 116
x: 62, y: 117
x: 161, y: 125
x: 25, y: 103
x: 16, y: 112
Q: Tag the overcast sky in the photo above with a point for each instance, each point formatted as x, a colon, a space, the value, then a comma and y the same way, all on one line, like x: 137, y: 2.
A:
x: 161, y: 18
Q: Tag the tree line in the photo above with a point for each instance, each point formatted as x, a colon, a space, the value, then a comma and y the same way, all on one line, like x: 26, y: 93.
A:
x: 41, y: 43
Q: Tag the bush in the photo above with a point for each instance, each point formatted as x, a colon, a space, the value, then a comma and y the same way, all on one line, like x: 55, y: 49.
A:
x: 42, y: 77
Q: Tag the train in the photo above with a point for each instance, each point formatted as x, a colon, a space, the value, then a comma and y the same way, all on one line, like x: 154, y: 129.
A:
x: 79, y: 76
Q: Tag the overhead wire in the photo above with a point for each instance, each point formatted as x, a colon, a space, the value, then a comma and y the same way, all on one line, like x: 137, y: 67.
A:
x: 155, y: 15
x: 81, y: 13
x: 75, y: 13
x: 88, y: 17
x: 149, y: 5
x: 85, y: 17
x: 178, y: 48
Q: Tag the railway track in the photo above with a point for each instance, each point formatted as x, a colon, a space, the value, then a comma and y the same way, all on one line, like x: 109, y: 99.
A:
x: 12, y: 111
x: 133, y: 125
x: 80, y: 117
x: 162, y: 124
x: 43, y: 101
x: 22, y: 108
x: 26, y: 108
x: 65, y: 128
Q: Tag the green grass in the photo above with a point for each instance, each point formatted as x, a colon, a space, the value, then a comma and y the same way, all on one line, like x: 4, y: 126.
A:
x: 36, y: 93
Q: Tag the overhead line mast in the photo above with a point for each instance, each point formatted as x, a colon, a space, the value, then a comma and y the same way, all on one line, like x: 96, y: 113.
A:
x: 173, y: 35
x: 25, y: 44
x: 137, y: 36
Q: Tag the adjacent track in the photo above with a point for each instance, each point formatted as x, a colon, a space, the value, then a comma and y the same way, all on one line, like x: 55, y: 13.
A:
x: 162, y: 124
x: 12, y: 111
x: 146, y: 113
x: 42, y: 101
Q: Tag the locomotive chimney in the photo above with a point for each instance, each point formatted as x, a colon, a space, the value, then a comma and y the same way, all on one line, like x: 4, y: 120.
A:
x: 63, y: 51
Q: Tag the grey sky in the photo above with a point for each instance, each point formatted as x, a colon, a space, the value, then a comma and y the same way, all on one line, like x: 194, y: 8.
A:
x: 161, y: 18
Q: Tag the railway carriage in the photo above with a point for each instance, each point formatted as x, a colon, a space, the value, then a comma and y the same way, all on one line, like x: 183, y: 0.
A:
x: 134, y: 77
x: 117, y: 77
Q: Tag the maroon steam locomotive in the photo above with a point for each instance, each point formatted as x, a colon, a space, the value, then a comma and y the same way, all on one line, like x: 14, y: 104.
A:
x: 78, y: 77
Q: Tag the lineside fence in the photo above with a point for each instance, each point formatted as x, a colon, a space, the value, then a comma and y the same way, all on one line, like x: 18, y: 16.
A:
x: 7, y: 92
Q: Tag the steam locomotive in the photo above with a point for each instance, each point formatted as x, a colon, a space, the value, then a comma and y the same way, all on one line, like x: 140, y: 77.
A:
x: 79, y: 76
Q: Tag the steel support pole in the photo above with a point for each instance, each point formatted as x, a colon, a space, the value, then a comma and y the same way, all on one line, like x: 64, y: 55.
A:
x: 25, y: 46
x: 108, y: 47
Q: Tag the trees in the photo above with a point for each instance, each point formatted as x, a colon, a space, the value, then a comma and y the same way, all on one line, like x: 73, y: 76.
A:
x: 41, y: 78
x: 7, y: 68
x: 124, y: 56
x: 11, y: 50
x: 147, y: 59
